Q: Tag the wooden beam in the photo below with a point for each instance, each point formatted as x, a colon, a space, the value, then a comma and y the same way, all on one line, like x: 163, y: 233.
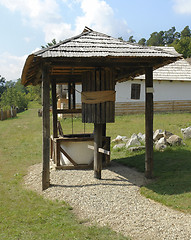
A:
x: 46, y: 128
x: 97, y: 154
x: 69, y: 111
x: 54, y: 110
x: 68, y: 156
x: 149, y: 122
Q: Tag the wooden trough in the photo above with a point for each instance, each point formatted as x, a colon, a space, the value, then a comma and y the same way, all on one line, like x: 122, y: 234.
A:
x: 97, y: 61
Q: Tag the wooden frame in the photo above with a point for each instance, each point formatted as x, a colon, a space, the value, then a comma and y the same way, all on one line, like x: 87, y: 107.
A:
x: 56, y: 149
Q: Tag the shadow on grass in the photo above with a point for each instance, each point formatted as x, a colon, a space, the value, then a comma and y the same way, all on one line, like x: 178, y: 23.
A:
x: 172, y: 170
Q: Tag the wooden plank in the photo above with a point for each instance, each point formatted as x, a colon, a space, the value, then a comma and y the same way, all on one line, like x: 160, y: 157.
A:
x: 101, y: 150
x: 97, y: 155
x: 149, y: 123
x: 103, y: 105
x: 69, y: 111
x: 68, y: 156
x: 54, y: 110
x: 98, y: 111
x: 46, y: 128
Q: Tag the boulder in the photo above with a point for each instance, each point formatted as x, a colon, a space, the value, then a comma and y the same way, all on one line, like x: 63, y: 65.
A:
x: 120, y: 139
x: 141, y: 137
x: 135, y: 149
x: 167, y: 134
x: 160, y: 146
x: 157, y: 135
x: 118, y: 146
x: 162, y: 140
x: 174, y: 140
x: 186, y: 132
x: 133, y: 141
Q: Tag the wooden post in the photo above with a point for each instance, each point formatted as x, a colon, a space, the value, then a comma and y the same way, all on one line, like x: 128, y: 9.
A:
x: 54, y: 110
x: 97, y: 154
x: 46, y: 128
x: 149, y: 122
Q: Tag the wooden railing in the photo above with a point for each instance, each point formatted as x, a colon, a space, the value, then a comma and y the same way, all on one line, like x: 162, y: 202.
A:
x: 159, y: 106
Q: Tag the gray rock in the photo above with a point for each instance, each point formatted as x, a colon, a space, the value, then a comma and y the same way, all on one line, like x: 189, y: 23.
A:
x: 157, y: 135
x: 174, y: 140
x: 133, y: 141
x: 118, y: 146
x: 135, y: 149
x: 141, y: 137
x: 186, y: 132
x: 162, y: 140
x: 167, y: 134
x: 120, y: 139
x: 160, y: 146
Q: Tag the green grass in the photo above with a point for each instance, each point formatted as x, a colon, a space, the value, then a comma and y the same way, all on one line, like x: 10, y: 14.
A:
x: 24, y: 215
x: 172, y: 168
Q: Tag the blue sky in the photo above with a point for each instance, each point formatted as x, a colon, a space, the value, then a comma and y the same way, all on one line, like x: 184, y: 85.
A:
x: 27, y: 24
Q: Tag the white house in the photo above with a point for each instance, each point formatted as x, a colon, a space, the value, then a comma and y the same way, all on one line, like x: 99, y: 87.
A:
x: 172, y: 89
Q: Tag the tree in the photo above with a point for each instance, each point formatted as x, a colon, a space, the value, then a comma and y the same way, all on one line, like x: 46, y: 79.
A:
x: 142, y: 41
x: 156, y: 39
x: 185, y: 32
x: 2, y: 85
x: 170, y: 36
x: 131, y: 40
x: 14, y: 96
x: 183, y: 46
x: 50, y: 44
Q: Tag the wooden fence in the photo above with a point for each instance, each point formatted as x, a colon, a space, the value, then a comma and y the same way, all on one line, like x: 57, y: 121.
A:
x: 159, y: 106
x: 7, y: 114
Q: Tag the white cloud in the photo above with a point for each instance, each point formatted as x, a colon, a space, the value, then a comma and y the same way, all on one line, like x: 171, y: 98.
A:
x: 182, y: 6
x: 47, y: 15
x: 11, y: 66
x: 99, y: 16
x: 58, y: 31
x: 35, y: 12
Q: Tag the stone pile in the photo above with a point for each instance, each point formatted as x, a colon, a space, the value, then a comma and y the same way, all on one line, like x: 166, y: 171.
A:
x: 161, y: 140
x: 186, y: 132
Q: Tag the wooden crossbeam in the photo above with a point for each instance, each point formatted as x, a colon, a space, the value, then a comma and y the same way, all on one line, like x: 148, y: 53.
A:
x: 68, y: 156
x: 101, y: 150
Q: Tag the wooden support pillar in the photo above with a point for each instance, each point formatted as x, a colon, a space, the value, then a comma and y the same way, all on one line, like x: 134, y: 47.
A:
x: 149, y: 122
x: 54, y: 110
x: 46, y: 128
x: 97, y: 154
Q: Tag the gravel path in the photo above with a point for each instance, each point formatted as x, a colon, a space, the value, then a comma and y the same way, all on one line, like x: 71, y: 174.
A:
x: 114, y: 201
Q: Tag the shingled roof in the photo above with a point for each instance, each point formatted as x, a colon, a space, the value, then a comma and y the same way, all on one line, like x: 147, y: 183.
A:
x: 176, y: 71
x: 94, y: 49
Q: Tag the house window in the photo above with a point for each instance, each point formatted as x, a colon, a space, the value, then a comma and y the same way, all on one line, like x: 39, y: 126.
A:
x: 135, y: 91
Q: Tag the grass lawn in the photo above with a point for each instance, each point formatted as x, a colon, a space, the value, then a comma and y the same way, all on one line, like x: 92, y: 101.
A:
x: 24, y: 215
x: 172, y: 168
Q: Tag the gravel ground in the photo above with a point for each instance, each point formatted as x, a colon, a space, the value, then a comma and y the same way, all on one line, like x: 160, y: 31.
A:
x: 114, y: 201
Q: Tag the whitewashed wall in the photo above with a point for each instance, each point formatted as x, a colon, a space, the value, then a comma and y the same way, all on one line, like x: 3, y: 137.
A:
x: 163, y: 91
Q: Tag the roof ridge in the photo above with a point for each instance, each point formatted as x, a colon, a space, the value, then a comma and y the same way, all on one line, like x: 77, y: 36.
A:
x: 62, y: 42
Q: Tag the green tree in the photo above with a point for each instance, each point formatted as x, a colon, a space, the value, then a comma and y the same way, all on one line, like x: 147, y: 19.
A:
x: 50, y: 44
x: 183, y: 46
x: 171, y: 35
x: 2, y: 85
x: 185, y: 33
x: 156, y: 39
x: 131, y: 40
x: 142, y: 41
